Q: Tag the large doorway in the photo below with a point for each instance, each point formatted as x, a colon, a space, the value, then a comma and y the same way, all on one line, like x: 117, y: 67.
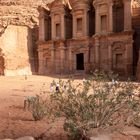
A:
x: 80, y: 61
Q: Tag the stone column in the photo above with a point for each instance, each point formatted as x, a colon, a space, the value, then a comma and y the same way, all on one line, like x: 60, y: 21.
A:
x: 74, y: 26
x: 86, y: 23
x: 110, y: 18
x: 52, y: 59
x: 128, y: 58
x: 110, y: 57
x: 98, y: 20
x: 97, y: 52
x: 63, y: 26
x: 62, y: 54
x: 41, y: 62
x: 41, y: 26
x: 86, y: 61
x: 138, y: 69
x: 52, y: 26
x: 127, y: 15
x: 70, y: 59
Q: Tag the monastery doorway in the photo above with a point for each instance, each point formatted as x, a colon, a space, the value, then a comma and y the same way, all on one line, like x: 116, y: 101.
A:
x: 80, y: 61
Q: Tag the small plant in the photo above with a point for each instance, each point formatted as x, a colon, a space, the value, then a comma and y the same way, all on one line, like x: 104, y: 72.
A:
x: 38, y: 108
x: 39, y: 105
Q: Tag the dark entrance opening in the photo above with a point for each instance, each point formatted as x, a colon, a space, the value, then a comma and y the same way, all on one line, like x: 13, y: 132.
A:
x: 80, y: 61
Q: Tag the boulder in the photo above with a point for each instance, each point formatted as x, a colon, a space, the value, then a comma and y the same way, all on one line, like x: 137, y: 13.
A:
x: 26, y: 138
x: 131, y: 131
x: 101, y: 137
x: 6, y: 139
x: 122, y: 137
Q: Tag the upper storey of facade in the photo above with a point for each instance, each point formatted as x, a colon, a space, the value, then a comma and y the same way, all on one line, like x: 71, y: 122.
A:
x: 65, y: 19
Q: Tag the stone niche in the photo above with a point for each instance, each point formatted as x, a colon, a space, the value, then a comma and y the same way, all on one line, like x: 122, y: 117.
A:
x: 118, y: 52
x: 16, y: 45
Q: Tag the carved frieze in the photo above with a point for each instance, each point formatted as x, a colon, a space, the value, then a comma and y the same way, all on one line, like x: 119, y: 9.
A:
x: 135, y: 3
x: 118, y: 46
x: 80, y: 4
x: 79, y: 48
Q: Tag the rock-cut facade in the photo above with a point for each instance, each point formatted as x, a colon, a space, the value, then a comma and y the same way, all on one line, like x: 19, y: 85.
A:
x: 83, y: 35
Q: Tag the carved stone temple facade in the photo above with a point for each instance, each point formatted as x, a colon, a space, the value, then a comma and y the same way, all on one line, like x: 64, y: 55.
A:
x: 81, y: 35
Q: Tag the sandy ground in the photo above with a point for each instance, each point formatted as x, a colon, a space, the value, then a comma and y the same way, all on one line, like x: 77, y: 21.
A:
x: 14, y: 120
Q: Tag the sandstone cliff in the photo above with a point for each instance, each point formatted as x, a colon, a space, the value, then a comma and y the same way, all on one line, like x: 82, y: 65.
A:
x: 18, y: 42
x: 18, y: 12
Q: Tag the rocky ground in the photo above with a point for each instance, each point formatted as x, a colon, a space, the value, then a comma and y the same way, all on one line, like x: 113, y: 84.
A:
x: 15, y: 122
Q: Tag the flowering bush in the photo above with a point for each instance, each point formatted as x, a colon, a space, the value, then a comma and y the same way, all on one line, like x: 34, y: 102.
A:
x: 96, y: 102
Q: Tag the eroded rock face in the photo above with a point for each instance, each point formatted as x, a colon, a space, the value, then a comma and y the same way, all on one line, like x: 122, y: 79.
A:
x: 16, y: 44
x: 18, y: 21
x: 26, y: 138
x: 19, y: 12
x: 21, y: 138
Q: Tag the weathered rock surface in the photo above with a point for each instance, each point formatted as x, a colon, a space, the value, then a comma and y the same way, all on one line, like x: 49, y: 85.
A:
x: 6, y: 139
x: 113, y: 137
x: 133, y: 131
x: 18, y: 22
x: 22, y: 138
x: 101, y: 137
x: 18, y: 12
x: 26, y: 138
x: 128, y: 133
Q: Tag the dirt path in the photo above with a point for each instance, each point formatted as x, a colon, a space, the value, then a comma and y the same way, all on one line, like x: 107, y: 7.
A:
x: 14, y: 120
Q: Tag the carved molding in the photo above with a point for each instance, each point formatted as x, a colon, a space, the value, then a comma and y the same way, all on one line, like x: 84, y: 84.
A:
x: 80, y: 48
x: 118, y: 46
x: 135, y: 3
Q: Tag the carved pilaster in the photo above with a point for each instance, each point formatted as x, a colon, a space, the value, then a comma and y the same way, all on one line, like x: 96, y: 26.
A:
x: 41, y: 61
x: 128, y: 59
x: 63, y: 26
x: 138, y: 68
x: 97, y: 52
x: 127, y: 15
x: 110, y: 17
x: 63, y: 57
x: 70, y: 59
x: 52, y: 58
x: 110, y: 57
x: 41, y: 26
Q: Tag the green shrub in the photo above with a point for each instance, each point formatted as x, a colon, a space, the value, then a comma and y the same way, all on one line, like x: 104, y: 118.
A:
x: 96, y: 102
x: 99, y: 101
x: 39, y: 105
x: 38, y: 108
